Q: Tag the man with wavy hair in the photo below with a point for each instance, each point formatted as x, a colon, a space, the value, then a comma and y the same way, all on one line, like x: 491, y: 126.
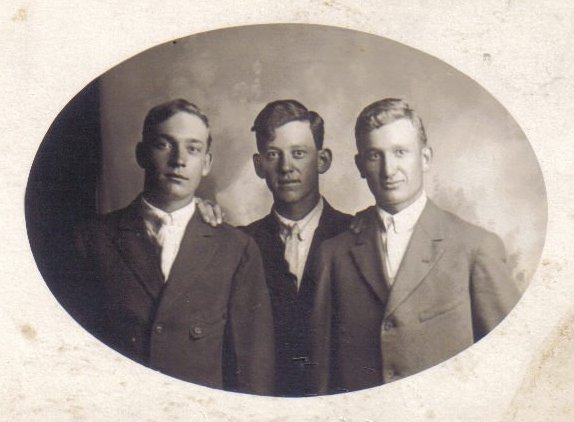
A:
x: 290, y: 158
x: 168, y: 290
x: 412, y: 285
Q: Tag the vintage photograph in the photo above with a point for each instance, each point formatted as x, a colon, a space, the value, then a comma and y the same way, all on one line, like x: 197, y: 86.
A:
x: 286, y: 210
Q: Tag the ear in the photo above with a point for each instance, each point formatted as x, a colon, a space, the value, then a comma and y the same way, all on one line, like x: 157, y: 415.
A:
x: 258, y: 165
x: 207, y: 163
x: 426, y: 155
x: 359, y: 164
x: 142, y: 155
x: 324, y: 160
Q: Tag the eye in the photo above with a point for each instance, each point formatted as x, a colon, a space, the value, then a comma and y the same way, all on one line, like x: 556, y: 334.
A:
x: 161, y: 144
x: 299, y: 153
x: 272, y: 155
x: 400, y: 152
x: 194, y: 149
x: 373, y: 155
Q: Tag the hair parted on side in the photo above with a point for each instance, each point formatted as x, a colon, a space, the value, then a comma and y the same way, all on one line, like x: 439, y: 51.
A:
x: 382, y: 113
x: 280, y: 112
x: 164, y: 111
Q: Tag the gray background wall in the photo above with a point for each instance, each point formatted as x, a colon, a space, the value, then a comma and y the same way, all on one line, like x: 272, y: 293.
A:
x: 483, y: 169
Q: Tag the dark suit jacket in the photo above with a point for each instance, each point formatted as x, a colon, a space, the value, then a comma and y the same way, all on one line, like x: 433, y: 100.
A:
x: 451, y: 289
x: 210, y: 324
x: 291, y: 309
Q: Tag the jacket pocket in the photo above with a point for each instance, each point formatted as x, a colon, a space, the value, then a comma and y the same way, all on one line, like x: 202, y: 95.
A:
x: 439, y: 310
x: 200, y: 328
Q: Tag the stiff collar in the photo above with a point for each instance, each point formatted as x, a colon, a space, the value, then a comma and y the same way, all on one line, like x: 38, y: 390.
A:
x: 158, y: 217
x: 405, y: 219
x: 307, y: 224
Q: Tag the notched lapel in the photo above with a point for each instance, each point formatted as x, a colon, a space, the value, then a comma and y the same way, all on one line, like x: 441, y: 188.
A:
x: 424, y: 250
x: 366, y: 254
x: 138, y: 252
x: 197, y: 249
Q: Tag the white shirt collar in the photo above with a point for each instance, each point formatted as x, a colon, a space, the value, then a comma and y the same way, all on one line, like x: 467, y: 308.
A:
x: 307, y: 224
x: 157, y: 216
x: 405, y: 219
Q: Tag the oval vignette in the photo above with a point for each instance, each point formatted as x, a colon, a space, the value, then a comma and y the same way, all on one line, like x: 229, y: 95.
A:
x: 483, y: 170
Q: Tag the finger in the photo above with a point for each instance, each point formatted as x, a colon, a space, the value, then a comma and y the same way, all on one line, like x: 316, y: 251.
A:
x: 215, y: 210
x: 206, y: 212
x: 218, y: 213
x: 357, y: 224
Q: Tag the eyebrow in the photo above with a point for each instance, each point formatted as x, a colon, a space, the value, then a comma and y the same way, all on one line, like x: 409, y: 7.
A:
x: 290, y: 147
x: 172, y: 139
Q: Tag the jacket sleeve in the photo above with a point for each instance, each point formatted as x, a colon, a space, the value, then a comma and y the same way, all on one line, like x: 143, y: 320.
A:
x: 321, y: 326
x: 492, y: 289
x: 250, y: 328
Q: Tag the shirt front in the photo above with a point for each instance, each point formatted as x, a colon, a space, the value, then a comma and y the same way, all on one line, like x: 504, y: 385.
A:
x: 307, y: 226
x: 166, y: 230
x: 398, y: 230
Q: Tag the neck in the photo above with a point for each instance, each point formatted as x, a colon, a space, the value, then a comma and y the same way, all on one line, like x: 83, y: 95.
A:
x: 395, y: 208
x: 297, y: 211
x: 167, y: 205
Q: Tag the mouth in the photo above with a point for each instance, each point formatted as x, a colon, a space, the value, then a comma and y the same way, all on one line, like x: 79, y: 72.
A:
x: 390, y: 185
x: 288, y: 182
x: 175, y: 177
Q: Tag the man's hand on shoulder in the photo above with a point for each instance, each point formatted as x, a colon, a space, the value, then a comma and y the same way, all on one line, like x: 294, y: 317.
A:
x: 210, y: 212
x: 359, y: 221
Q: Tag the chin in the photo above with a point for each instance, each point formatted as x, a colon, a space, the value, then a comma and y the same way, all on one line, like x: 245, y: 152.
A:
x: 289, y: 199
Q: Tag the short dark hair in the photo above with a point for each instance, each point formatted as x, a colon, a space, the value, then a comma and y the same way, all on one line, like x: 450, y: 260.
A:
x: 280, y: 112
x: 382, y: 113
x: 164, y: 111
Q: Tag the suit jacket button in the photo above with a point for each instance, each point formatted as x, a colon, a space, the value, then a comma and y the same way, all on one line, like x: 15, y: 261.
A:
x: 389, y: 374
x: 388, y: 325
x: 198, y: 330
x: 159, y: 328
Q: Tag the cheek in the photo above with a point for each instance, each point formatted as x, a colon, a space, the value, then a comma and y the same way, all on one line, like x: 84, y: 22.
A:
x: 372, y: 170
x: 157, y: 161
x: 310, y: 167
x: 270, y: 170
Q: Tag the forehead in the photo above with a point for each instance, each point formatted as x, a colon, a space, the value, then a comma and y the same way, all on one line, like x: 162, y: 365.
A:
x: 401, y: 132
x: 295, y: 133
x: 184, y: 126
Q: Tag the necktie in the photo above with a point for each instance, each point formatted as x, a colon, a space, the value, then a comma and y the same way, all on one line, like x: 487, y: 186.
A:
x: 292, y: 240
x: 162, y: 239
x: 390, y: 258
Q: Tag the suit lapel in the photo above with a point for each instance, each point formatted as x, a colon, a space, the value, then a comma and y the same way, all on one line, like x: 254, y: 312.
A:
x: 424, y: 250
x: 196, y: 251
x: 324, y: 231
x: 366, y: 254
x: 138, y: 251
x: 273, y: 254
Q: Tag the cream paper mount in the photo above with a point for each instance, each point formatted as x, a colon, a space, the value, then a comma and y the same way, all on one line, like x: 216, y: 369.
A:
x: 521, y: 52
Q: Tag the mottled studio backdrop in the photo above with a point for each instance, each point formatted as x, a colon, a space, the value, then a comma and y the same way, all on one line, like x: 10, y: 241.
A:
x: 484, y: 168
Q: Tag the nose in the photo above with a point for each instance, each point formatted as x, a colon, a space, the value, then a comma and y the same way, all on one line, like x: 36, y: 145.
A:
x: 388, y: 165
x: 178, y: 157
x: 286, y: 163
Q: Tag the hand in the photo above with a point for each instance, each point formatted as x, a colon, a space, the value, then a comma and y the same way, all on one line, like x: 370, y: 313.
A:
x: 358, y: 222
x: 210, y: 212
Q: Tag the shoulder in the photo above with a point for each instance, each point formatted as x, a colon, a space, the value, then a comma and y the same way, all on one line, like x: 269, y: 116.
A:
x: 251, y: 227
x: 334, y: 217
x: 105, y: 223
x: 341, y: 242
x: 463, y: 231
x: 264, y: 224
x: 347, y: 238
x: 229, y: 235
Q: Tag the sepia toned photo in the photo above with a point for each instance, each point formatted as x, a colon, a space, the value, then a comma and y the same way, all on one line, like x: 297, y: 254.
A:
x: 286, y: 210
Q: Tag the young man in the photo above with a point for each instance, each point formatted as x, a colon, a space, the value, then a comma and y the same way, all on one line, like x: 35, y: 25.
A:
x: 167, y: 290
x: 414, y: 285
x: 290, y: 158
